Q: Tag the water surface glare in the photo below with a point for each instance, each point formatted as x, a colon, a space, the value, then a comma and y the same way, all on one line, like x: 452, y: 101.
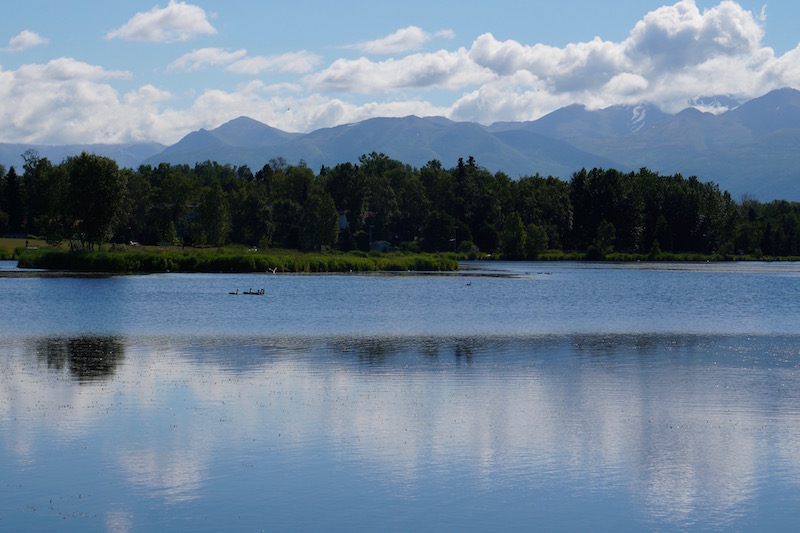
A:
x: 525, y: 396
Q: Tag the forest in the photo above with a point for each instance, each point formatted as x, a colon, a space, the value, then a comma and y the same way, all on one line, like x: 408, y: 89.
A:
x: 378, y: 202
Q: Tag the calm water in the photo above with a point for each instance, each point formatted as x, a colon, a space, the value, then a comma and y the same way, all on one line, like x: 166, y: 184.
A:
x: 515, y: 396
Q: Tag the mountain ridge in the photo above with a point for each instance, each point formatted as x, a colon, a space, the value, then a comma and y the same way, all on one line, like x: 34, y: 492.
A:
x: 749, y: 149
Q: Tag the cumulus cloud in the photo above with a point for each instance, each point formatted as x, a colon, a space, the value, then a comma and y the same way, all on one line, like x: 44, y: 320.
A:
x: 178, y: 21
x: 62, y: 101
x: 25, y: 39
x: 443, y: 69
x: 680, y: 35
x: 445, y: 34
x: 786, y: 69
x: 498, y: 101
x: 205, y: 57
x: 66, y: 69
x: 321, y: 112
x: 239, y: 62
x: 146, y: 95
x: 293, y: 111
x: 672, y: 56
x: 297, y: 62
x: 625, y: 84
x: 576, y: 65
x: 403, y: 40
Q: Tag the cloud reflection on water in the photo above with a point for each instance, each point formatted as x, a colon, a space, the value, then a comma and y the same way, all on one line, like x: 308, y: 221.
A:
x: 685, y: 427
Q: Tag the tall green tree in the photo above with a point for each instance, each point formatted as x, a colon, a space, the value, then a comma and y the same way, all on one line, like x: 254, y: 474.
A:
x: 439, y: 232
x: 478, y: 203
x: 439, y: 187
x: 175, y: 192
x: 56, y: 221
x: 251, y: 213
x: 382, y: 209
x: 36, y: 189
x: 137, y: 224
x: 287, y: 216
x: 214, y: 215
x: 320, y: 218
x: 3, y: 204
x: 97, y: 191
x: 14, y: 201
x: 513, y: 237
x: 535, y: 242
x: 414, y: 207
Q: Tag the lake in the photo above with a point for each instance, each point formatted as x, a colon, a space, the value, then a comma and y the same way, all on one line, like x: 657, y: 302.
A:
x: 546, y: 396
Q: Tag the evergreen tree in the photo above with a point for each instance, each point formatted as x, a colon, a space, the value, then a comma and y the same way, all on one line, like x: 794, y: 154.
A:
x: 14, y: 203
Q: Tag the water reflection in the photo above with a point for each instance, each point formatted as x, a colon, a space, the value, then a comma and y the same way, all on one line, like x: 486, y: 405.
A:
x: 682, y: 431
x: 88, y: 358
x: 374, y: 351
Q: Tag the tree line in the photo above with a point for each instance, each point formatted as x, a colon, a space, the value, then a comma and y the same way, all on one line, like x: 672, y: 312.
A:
x: 88, y: 200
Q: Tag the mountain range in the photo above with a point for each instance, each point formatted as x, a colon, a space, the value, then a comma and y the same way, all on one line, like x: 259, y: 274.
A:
x: 751, y: 149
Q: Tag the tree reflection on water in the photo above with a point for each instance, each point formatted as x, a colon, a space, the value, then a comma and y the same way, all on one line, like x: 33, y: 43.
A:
x: 88, y: 358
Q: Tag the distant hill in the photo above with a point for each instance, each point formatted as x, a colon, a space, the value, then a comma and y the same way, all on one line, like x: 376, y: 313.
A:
x: 413, y: 140
x: 126, y: 155
x: 226, y: 144
x: 575, y: 123
x: 753, y: 148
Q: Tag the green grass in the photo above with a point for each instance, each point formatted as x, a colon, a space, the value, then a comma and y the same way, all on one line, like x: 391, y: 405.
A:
x: 681, y: 257
x: 235, y: 258
x: 11, y: 248
x: 691, y: 257
x: 229, y: 259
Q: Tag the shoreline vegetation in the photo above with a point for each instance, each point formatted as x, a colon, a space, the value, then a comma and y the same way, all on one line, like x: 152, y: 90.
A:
x: 228, y: 259
x: 379, y: 214
x: 239, y: 259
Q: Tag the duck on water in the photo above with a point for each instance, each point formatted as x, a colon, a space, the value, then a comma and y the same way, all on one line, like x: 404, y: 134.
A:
x: 258, y: 292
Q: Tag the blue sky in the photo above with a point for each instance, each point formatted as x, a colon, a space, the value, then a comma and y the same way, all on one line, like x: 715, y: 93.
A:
x: 91, y: 71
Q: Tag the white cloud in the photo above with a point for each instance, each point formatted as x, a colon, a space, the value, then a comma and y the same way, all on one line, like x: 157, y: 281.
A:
x: 178, y: 21
x: 146, y: 96
x: 205, y: 57
x: 62, y: 101
x: 66, y: 69
x: 443, y: 69
x: 625, y: 84
x: 785, y: 71
x: 498, y: 101
x: 445, y: 34
x: 25, y: 39
x: 680, y: 35
x: 320, y: 112
x: 297, y: 62
x: 403, y: 40
x: 672, y: 56
x: 588, y: 64
x: 239, y: 63
x: 293, y: 112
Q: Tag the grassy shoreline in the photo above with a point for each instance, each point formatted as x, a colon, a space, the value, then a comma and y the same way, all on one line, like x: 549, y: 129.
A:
x: 229, y: 260
x: 34, y: 253
x: 663, y: 257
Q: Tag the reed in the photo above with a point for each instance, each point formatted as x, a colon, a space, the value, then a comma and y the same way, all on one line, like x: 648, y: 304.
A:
x: 228, y: 260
